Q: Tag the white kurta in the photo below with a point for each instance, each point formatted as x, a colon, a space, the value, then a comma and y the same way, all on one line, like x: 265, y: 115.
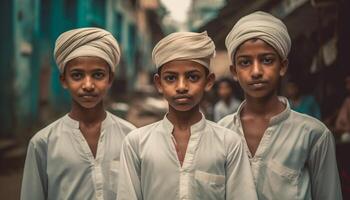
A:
x: 215, y: 165
x: 221, y: 109
x: 60, y: 165
x: 295, y: 158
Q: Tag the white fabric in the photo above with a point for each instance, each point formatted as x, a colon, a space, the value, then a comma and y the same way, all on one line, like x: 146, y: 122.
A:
x: 221, y: 109
x: 197, y: 47
x: 215, y: 165
x: 60, y: 165
x: 94, y: 42
x: 259, y: 25
x: 295, y: 158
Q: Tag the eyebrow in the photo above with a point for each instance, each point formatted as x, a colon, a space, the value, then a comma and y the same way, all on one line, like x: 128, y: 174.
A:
x: 262, y: 54
x: 187, y: 72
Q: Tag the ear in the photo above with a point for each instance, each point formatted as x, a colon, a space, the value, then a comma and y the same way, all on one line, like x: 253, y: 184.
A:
x: 63, y: 81
x: 284, y: 67
x: 233, y: 72
x: 210, y: 82
x: 157, y: 83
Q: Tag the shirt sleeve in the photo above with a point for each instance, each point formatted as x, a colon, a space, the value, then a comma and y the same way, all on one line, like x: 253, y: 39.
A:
x: 34, y: 182
x: 129, y: 185
x: 325, y: 183
x: 239, y: 178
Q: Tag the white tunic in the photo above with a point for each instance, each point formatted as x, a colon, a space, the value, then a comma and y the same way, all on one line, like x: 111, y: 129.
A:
x: 295, y: 158
x: 215, y: 165
x: 60, y: 165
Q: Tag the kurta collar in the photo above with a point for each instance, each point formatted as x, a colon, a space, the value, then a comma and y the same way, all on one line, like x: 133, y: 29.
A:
x: 274, y: 120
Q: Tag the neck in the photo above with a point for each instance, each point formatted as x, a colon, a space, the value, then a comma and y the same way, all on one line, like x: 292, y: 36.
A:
x: 264, y: 107
x: 87, y: 115
x: 227, y: 101
x: 184, y: 119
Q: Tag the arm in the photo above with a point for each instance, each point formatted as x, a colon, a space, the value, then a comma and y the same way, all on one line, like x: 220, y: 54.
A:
x: 239, y: 179
x: 34, y: 182
x: 129, y: 183
x: 325, y: 183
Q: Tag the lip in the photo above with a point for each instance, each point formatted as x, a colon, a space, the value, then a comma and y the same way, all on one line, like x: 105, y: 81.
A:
x: 88, y: 96
x: 257, y: 84
x: 182, y: 99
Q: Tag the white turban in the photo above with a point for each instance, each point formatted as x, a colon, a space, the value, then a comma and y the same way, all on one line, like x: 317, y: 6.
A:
x: 86, y: 42
x: 197, y: 47
x: 259, y: 25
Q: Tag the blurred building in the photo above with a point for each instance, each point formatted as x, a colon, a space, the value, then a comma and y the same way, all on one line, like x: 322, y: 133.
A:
x: 202, y: 11
x: 30, y: 85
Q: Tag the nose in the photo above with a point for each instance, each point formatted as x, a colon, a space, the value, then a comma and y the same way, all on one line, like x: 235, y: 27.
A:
x: 257, y: 70
x: 182, y: 86
x: 88, y: 84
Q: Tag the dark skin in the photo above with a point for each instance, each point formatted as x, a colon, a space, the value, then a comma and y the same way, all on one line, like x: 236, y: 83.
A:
x: 88, y: 80
x: 183, y: 84
x: 258, y: 68
x: 182, y: 124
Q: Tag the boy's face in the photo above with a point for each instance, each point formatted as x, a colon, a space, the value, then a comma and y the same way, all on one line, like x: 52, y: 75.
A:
x: 258, y: 68
x: 183, y: 83
x: 87, y: 79
x: 225, y: 90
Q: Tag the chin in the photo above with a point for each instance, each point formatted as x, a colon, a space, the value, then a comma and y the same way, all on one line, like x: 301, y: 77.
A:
x: 182, y: 108
x: 259, y: 95
x: 88, y: 105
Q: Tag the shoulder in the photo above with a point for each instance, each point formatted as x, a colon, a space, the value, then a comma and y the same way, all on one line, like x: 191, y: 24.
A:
x: 310, y: 126
x: 228, y: 135
x: 125, y: 125
x: 43, y: 135
x: 227, y: 120
x: 307, y: 121
x: 143, y: 132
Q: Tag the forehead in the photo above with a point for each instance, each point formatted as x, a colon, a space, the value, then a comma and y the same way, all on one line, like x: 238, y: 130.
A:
x: 254, y: 46
x: 182, y: 66
x: 87, y: 63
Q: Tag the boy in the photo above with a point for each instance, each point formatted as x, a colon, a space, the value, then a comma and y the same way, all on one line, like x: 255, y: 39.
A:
x: 184, y: 156
x: 77, y: 156
x: 292, y: 155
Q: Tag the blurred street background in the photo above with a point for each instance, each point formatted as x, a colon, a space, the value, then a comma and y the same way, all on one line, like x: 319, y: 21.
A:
x: 32, y: 97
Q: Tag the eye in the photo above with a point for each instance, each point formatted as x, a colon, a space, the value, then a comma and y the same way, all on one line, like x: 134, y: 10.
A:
x: 267, y: 60
x: 193, y: 77
x: 99, y: 75
x: 169, y: 78
x: 76, y: 75
x: 244, y: 62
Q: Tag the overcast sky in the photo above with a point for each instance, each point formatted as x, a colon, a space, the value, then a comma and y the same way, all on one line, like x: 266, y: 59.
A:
x: 178, y: 8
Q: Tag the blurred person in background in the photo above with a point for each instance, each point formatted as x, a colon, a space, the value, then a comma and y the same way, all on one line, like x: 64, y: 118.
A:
x: 342, y: 124
x: 227, y: 103
x: 306, y: 104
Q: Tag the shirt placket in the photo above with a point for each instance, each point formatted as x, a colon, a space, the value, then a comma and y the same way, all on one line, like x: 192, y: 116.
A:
x: 97, y: 175
x: 185, y: 171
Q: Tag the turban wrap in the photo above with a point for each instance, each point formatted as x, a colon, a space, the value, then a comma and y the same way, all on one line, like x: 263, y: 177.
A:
x: 197, y: 47
x: 94, y: 42
x: 262, y: 26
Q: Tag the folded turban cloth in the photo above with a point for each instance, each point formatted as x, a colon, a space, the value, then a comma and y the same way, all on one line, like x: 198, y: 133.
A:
x: 197, y: 47
x: 86, y: 42
x: 259, y: 25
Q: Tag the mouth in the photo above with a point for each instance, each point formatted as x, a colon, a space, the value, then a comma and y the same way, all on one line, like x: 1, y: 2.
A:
x: 88, y: 96
x: 257, y: 84
x: 182, y: 99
